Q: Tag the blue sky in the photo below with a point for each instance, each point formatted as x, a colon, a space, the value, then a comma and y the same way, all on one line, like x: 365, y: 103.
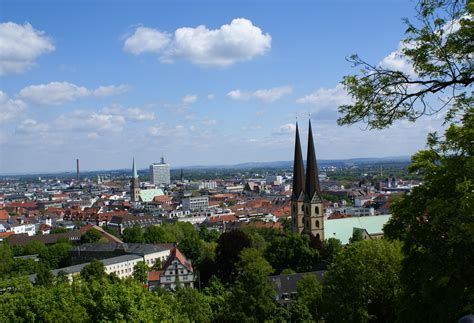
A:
x: 107, y: 80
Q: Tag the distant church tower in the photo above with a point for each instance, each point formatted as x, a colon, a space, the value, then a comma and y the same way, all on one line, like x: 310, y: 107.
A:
x: 307, y: 213
x: 313, y: 202
x: 134, y: 184
x: 297, y: 197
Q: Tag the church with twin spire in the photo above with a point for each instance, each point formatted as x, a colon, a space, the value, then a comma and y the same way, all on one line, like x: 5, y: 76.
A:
x: 307, y: 212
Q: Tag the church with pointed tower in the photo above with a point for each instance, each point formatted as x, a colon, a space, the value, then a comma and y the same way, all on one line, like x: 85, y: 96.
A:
x: 134, y: 184
x: 307, y: 212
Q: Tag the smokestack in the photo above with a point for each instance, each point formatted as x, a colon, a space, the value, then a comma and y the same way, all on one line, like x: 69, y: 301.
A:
x: 77, y: 169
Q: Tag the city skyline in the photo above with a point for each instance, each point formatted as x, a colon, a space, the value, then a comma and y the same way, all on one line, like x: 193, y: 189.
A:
x: 201, y: 87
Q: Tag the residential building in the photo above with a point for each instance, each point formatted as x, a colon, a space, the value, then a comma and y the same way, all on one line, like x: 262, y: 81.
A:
x: 176, y: 270
x: 197, y: 203
x: 160, y: 173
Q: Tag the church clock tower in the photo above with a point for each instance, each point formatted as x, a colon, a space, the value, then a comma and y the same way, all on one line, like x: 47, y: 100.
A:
x: 313, y: 202
x: 297, y: 196
x: 134, y: 185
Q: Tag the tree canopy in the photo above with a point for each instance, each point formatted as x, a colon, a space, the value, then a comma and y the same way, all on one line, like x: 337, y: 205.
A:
x: 437, y: 71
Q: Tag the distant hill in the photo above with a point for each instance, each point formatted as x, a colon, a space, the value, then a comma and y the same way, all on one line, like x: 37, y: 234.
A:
x: 248, y: 165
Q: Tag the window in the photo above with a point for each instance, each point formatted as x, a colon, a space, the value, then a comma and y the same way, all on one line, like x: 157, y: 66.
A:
x: 316, y: 210
x: 317, y: 224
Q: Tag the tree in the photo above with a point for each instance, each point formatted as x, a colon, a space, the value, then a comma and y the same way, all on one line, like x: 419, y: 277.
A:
x: 436, y: 224
x: 331, y: 248
x: 55, y: 256
x: 251, y: 298
x: 310, y: 295
x: 133, y: 234
x: 194, y: 305
x: 362, y: 283
x: 140, y: 272
x: 158, y: 234
x: 44, y: 276
x: 93, y: 271
x: 6, y: 259
x: 91, y: 236
x: 291, y: 251
x: 228, y: 250
x: 437, y: 54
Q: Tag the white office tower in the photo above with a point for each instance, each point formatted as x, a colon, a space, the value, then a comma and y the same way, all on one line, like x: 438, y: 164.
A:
x: 160, y: 173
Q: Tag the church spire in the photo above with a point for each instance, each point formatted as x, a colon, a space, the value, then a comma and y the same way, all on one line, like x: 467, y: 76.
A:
x: 134, y: 169
x: 298, y: 168
x: 312, y: 178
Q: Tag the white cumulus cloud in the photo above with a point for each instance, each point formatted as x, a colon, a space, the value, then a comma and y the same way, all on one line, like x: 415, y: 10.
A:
x: 10, y: 109
x: 238, y: 41
x: 20, y: 46
x: 57, y: 93
x: 189, y: 99
x: 238, y: 95
x: 327, y: 97
x: 273, y: 94
x: 81, y: 120
x: 32, y: 126
x: 266, y: 95
x: 146, y: 40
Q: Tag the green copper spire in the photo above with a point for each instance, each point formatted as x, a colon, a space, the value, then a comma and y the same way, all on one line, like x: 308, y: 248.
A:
x: 134, y: 169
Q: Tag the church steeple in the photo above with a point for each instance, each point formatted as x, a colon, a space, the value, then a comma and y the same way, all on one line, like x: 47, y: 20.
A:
x: 134, y: 184
x: 298, y: 168
x: 134, y: 169
x: 312, y: 176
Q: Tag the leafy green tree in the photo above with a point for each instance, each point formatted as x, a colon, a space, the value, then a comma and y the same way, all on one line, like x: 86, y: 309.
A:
x: 228, y: 250
x: 44, y: 276
x: 158, y: 234
x: 438, y: 53
x: 140, y: 272
x: 310, y: 295
x: 6, y: 259
x: 56, y: 256
x: 93, y: 271
x: 362, y: 283
x: 331, y: 248
x: 191, y: 247
x: 252, y: 296
x: 298, y: 312
x: 133, y: 234
x: 194, y: 305
x: 217, y: 295
x: 91, y: 236
x: 34, y: 247
x: 208, y: 235
x: 436, y: 224
x: 291, y: 251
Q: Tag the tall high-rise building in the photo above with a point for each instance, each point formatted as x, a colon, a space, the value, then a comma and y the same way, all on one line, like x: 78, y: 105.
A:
x: 160, y: 173
x: 307, y: 211
x: 134, y: 184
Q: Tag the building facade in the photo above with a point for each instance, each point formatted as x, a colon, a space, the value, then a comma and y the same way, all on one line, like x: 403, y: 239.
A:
x: 198, y: 203
x: 160, y: 173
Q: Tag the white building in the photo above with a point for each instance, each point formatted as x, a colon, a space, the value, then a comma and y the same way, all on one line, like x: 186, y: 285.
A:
x: 197, y: 203
x: 274, y: 180
x: 160, y: 173
x: 211, y: 185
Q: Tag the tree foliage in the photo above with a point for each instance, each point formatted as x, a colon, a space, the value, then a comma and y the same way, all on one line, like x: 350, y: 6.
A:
x: 91, y: 236
x: 251, y: 298
x: 436, y: 224
x: 228, y: 250
x: 437, y: 55
x: 93, y: 271
x: 292, y: 251
x: 362, y: 283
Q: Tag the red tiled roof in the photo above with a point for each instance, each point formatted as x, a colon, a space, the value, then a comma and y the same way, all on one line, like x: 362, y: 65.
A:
x: 154, y: 275
x: 3, y: 215
x: 176, y: 254
x: 222, y: 218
